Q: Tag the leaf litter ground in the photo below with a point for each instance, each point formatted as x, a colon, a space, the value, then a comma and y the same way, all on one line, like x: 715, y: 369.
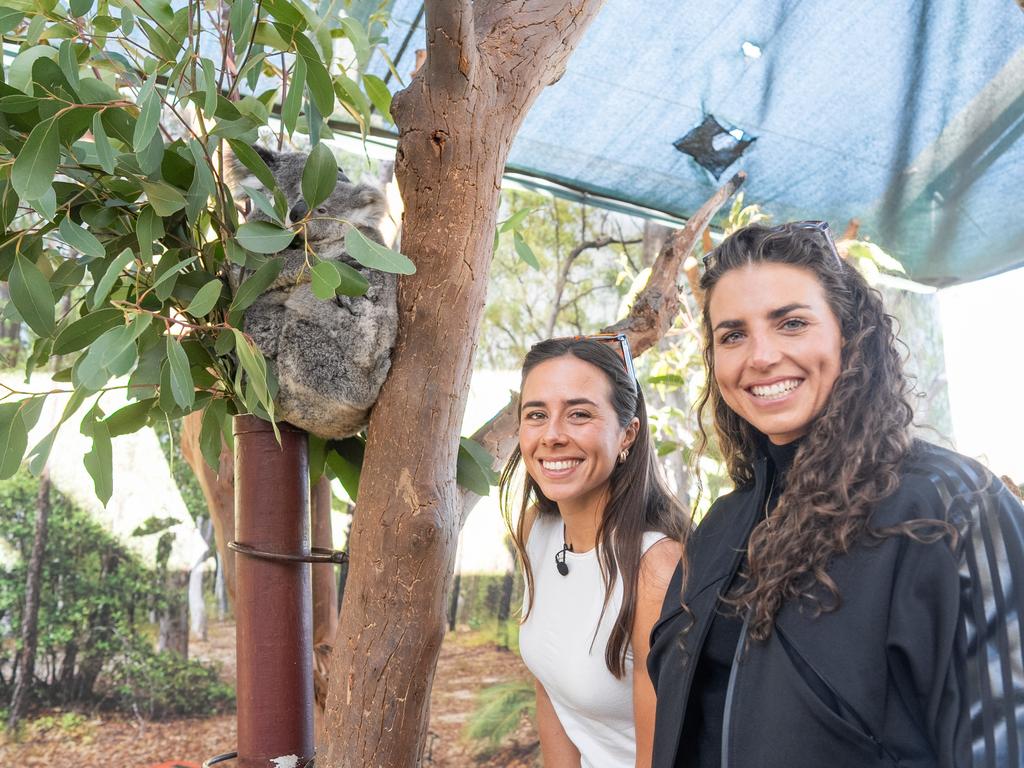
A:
x: 58, y: 740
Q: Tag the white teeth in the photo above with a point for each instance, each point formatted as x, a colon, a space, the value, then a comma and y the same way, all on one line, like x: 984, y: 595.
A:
x: 776, y: 390
x: 560, y: 465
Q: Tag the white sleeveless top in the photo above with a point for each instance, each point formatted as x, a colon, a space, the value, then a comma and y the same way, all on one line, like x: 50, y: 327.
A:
x: 559, y: 646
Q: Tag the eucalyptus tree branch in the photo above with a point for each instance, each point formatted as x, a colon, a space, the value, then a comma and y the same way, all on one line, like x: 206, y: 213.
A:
x: 652, y: 314
x: 451, y: 42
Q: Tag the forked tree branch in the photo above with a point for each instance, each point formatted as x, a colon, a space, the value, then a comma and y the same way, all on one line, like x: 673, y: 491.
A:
x: 652, y: 314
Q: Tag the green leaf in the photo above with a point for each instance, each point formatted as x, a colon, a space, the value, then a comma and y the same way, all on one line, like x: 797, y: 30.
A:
x: 376, y: 256
x: 69, y: 62
x: 182, y: 387
x: 81, y: 239
x: 147, y: 122
x: 356, y: 35
x: 110, y: 276
x: 293, y: 99
x: 255, y: 285
x: 209, y: 87
x: 324, y: 278
x: 209, y: 434
x: 148, y: 229
x: 264, y: 237
x: 79, y: 7
x: 86, y: 329
x: 345, y: 458
x: 100, y: 461
x: 164, y: 198
x: 476, y: 462
x: 524, y: 250
x: 131, y: 418
x: 13, y: 439
x: 104, y: 151
x: 319, y: 176
x: 9, y: 19
x: 352, y: 281
x: 251, y: 160
x: 379, y: 95
x: 255, y: 367
x: 165, y: 282
x: 263, y: 204
x: 513, y: 221
x: 36, y: 164
x: 317, y: 77
x: 127, y: 21
x: 205, y: 299
x: 32, y: 296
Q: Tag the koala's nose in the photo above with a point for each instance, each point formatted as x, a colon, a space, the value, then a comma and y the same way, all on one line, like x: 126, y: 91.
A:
x: 300, y: 210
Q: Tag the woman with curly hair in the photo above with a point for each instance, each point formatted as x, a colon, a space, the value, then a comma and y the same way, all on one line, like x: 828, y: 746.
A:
x: 858, y: 599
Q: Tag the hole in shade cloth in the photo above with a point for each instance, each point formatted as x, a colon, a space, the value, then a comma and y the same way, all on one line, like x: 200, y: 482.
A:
x: 750, y: 50
x: 714, y: 147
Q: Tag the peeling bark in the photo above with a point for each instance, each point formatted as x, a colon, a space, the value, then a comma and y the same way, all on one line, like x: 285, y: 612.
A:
x: 487, y: 62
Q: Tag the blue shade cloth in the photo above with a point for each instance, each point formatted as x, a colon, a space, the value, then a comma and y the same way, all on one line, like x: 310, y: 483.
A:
x: 905, y: 115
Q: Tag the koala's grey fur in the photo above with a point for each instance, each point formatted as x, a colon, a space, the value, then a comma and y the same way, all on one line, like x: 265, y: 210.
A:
x: 330, y: 357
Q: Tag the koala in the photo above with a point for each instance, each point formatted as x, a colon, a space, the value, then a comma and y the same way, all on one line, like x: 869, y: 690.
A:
x: 330, y: 357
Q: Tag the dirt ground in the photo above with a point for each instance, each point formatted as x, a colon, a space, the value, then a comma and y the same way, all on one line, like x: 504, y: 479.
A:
x: 73, y: 740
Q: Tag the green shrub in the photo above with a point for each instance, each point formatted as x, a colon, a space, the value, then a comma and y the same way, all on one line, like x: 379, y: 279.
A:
x: 499, y: 711
x: 161, y: 685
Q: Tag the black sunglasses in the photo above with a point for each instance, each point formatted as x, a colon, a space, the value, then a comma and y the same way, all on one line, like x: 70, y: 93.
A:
x: 621, y: 344
x: 821, y: 227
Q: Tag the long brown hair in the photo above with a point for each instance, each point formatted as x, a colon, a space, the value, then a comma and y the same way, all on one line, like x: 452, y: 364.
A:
x: 850, y: 457
x: 638, y: 499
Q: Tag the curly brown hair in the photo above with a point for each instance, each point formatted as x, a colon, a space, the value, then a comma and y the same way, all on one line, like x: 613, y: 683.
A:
x: 850, y: 457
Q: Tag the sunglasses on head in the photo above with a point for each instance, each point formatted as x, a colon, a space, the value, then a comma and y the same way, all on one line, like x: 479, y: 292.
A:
x: 820, y: 227
x: 621, y: 346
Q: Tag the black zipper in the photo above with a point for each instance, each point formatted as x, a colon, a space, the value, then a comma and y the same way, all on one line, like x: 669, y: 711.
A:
x: 727, y: 720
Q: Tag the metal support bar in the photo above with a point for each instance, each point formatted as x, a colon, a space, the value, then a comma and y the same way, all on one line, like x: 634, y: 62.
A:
x: 273, y: 608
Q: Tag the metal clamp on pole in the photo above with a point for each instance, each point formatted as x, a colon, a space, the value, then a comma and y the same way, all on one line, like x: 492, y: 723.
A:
x: 316, y: 554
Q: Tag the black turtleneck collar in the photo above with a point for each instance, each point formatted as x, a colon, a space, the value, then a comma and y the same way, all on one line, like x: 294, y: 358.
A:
x: 781, y: 456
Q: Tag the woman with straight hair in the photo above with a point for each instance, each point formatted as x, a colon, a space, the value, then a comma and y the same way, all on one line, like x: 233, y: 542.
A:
x: 597, y: 534
x: 857, y: 600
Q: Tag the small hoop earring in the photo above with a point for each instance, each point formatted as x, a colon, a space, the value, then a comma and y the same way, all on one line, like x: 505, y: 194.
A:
x: 623, y: 455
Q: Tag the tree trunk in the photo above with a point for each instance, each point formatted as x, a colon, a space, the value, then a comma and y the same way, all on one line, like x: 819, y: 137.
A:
x: 218, y: 490
x: 325, y: 583
x: 30, y: 616
x: 487, y: 62
x: 173, y: 625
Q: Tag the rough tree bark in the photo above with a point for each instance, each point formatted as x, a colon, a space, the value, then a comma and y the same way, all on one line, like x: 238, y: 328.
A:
x: 26, y: 664
x: 487, y: 62
x: 218, y: 490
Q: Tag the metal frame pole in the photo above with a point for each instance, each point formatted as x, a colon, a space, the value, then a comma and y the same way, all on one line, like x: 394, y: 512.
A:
x: 274, y: 641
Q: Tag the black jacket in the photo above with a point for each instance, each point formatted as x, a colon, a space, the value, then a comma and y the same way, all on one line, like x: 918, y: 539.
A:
x: 921, y: 665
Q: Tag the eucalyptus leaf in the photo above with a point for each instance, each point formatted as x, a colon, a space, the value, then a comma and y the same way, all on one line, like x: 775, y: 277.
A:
x: 130, y: 418
x: 205, y: 299
x: 165, y: 199
x: 524, y: 251
x: 251, y: 159
x: 9, y: 19
x: 264, y: 237
x: 147, y: 122
x: 80, y: 239
x: 113, y: 271
x: 104, y: 151
x: 379, y: 94
x: 209, y: 434
x: 293, y: 99
x: 254, y: 365
x: 352, y: 281
x: 86, y: 329
x: 36, y: 164
x: 13, y: 439
x: 319, y: 176
x: 182, y: 388
x: 100, y: 462
x: 255, y: 285
x: 324, y: 279
x: 376, y: 256
x: 31, y: 295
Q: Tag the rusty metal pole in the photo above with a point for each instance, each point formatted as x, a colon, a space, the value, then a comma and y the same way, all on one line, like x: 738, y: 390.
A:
x: 273, y: 606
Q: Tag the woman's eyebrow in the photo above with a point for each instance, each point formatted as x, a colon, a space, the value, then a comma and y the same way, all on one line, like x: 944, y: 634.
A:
x: 572, y: 401
x: 775, y: 314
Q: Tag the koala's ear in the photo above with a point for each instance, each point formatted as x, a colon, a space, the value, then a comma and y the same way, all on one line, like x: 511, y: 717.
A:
x: 269, y: 156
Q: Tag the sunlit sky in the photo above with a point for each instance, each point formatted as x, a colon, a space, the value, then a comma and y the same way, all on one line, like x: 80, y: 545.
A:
x: 982, y: 326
